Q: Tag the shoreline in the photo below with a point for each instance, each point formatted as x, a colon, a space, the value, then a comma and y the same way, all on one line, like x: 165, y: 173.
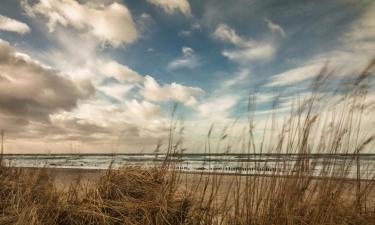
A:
x: 98, y: 171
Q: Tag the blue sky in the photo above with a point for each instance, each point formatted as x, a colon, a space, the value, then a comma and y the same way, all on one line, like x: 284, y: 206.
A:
x: 120, y: 65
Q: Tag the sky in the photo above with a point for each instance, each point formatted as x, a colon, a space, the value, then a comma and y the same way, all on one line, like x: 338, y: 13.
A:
x: 104, y: 75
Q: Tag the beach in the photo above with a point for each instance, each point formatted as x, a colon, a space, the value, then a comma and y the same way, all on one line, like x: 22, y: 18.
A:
x: 135, y: 194
x: 223, y: 184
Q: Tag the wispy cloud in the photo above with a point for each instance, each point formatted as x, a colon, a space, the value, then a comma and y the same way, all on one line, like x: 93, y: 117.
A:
x: 188, y: 60
x: 356, y: 47
x: 275, y: 28
x: 360, y: 38
x: 237, y: 78
x: 117, y: 91
x: 119, y: 71
x: 152, y: 91
x: 262, y: 51
x: 12, y: 25
x: 246, y: 49
x: 295, y: 75
x: 172, y: 6
x: 227, y: 34
x: 186, y: 33
x: 217, y: 109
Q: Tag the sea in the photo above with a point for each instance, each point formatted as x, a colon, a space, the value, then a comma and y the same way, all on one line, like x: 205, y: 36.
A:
x: 244, y: 164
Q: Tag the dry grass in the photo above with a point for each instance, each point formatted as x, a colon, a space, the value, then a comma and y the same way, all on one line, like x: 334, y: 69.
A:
x: 127, y: 196
x: 135, y: 195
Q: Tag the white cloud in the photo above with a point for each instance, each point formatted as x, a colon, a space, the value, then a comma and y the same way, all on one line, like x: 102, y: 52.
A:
x: 152, y: 91
x: 217, y: 109
x: 133, y: 123
x: 237, y: 78
x: 195, y: 26
x: 189, y: 32
x: 48, y: 107
x: 119, y: 71
x: 246, y: 49
x: 12, y: 25
x: 31, y: 91
x: 275, y: 28
x: 171, y: 6
x: 356, y: 49
x: 265, y: 97
x: 117, y: 91
x: 142, y: 110
x: 187, y: 60
x: 187, y: 51
x: 189, y: 63
x: 185, y: 33
x: 261, y: 51
x: 111, y: 24
x: 78, y: 113
x: 295, y: 75
x: 360, y: 38
x: 226, y: 34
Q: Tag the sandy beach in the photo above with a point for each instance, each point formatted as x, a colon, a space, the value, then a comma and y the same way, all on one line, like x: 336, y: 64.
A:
x: 189, y: 182
x: 84, y: 194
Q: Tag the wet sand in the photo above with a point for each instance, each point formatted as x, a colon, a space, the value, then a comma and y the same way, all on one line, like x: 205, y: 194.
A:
x: 190, y: 182
x: 65, y: 177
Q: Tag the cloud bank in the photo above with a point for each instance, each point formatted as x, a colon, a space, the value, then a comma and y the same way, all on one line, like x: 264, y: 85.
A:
x: 30, y: 91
